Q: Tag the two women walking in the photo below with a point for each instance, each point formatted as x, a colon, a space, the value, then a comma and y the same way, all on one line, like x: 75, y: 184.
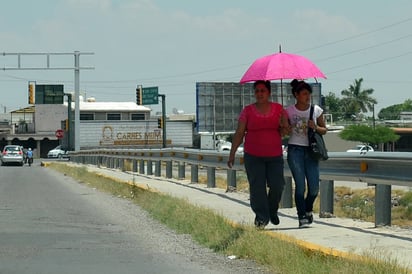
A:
x: 261, y: 126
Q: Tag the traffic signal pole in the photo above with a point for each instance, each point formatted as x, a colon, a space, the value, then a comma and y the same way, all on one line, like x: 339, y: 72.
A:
x: 69, y: 121
x: 48, y: 66
x: 163, y: 96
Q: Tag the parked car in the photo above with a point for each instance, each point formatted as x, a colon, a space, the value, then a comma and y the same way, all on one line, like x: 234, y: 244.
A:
x: 361, y: 148
x: 12, y: 154
x: 223, y: 145
x: 57, y: 152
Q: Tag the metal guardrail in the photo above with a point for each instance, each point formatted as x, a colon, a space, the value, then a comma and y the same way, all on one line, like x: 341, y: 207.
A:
x: 382, y: 169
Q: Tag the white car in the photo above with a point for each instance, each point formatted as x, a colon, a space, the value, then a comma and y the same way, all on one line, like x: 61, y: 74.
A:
x: 226, y: 146
x: 12, y: 154
x: 361, y: 149
x: 57, y: 152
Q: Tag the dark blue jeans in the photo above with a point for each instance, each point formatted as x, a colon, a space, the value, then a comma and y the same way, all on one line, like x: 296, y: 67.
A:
x: 266, y: 182
x: 305, y: 171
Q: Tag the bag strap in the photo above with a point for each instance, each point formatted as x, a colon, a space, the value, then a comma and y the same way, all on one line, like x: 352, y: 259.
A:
x: 312, y: 108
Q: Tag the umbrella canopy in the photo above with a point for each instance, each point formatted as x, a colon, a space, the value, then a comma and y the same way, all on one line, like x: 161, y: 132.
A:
x: 280, y: 66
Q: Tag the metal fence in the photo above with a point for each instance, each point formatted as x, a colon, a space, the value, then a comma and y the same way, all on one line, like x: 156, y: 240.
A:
x: 380, y: 169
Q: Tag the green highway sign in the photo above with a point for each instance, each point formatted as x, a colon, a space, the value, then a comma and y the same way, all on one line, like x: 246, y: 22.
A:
x: 150, y: 96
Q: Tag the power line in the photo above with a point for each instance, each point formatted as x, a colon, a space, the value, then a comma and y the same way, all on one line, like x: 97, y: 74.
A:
x: 174, y: 76
x: 366, y: 48
x: 371, y: 63
x: 357, y: 35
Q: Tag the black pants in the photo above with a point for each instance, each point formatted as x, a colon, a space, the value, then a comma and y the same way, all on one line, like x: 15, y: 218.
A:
x: 266, y: 183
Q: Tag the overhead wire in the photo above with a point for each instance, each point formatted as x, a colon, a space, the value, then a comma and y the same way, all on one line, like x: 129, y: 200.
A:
x: 176, y: 76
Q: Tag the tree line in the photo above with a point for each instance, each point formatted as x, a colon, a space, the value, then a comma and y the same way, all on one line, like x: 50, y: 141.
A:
x: 356, y: 101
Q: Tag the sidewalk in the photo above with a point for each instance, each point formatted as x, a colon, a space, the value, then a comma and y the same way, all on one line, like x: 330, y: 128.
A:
x: 337, y: 236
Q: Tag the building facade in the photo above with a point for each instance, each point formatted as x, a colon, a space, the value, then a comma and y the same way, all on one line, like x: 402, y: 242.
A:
x: 102, y: 124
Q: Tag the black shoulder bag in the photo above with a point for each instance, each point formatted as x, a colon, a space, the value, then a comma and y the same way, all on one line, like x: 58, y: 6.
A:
x: 317, y: 147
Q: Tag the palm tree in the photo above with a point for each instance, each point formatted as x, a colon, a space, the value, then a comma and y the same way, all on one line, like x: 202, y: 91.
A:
x: 357, y: 100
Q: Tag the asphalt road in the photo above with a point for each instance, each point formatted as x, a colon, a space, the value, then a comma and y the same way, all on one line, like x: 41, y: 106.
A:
x: 50, y: 223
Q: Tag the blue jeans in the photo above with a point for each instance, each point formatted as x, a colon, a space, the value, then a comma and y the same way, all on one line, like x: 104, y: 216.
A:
x: 304, y: 170
x: 266, y: 182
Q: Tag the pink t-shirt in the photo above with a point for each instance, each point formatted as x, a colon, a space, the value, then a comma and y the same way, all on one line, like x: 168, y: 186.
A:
x: 262, y: 136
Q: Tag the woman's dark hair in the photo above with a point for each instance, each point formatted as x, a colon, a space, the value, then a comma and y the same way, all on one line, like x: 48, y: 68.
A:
x: 266, y: 83
x: 297, y: 86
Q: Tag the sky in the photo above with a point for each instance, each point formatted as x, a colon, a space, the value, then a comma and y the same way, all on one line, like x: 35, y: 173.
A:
x: 174, y: 44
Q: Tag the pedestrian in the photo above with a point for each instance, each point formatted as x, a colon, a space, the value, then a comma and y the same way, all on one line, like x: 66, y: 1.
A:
x: 30, y: 156
x: 261, y: 126
x: 305, y: 170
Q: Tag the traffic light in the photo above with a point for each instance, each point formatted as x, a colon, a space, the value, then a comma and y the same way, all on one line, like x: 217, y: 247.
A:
x: 139, y: 94
x: 159, y: 122
x: 31, y: 93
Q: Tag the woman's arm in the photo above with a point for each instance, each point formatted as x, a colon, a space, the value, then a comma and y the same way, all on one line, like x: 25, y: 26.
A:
x: 321, y: 125
x: 237, y: 140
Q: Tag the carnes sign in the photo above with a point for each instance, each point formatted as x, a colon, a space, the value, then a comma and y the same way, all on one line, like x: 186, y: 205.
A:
x: 111, y: 136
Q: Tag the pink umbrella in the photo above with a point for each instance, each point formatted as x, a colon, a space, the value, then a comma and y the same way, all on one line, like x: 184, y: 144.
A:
x: 281, y: 66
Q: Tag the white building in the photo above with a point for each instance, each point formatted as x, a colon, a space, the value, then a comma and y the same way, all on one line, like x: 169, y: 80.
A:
x: 102, y: 124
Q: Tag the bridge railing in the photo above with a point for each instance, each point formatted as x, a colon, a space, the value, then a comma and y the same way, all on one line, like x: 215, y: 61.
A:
x: 379, y: 169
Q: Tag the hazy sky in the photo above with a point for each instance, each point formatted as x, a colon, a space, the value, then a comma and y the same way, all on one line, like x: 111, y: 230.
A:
x: 174, y: 44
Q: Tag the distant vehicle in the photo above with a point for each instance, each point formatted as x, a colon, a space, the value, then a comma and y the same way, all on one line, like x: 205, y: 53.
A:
x: 57, y: 152
x: 12, y: 154
x: 361, y: 148
x: 223, y: 145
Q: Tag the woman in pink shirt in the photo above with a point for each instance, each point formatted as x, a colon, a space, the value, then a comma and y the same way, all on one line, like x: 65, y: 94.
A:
x: 262, y: 126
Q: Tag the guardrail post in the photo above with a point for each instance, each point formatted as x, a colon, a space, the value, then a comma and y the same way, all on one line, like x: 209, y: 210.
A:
x: 169, y: 169
x: 98, y: 161
x: 134, y: 168
x: 383, y: 205
x: 181, y: 173
x: 287, y: 200
x: 149, y: 167
x: 122, y: 164
x: 194, y: 173
x: 141, y: 166
x: 326, y: 198
x: 211, y: 176
x: 231, y: 180
x: 158, y: 171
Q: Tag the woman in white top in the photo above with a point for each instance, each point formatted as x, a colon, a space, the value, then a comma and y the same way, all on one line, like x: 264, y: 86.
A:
x: 305, y: 170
